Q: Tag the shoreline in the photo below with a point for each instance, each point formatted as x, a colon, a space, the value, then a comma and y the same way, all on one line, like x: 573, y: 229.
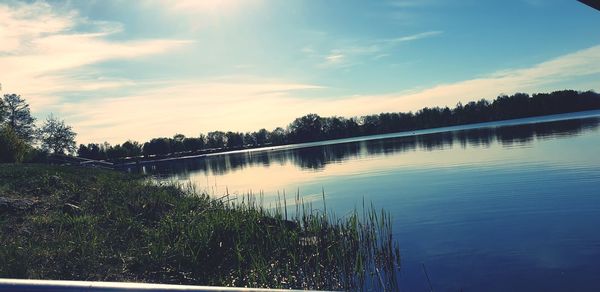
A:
x: 493, y: 124
x: 105, y: 225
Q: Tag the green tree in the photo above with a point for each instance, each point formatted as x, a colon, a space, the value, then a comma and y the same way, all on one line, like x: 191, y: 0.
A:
x: 261, y: 137
x: 234, y: 139
x: 91, y: 151
x: 18, y: 117
x: 250, y: 139
x: 132, y: 148
x: 194, y: 144
x: 177, y: 144
x: 3, y: 112
x: 278, y: 136
x: 307, y: 128
x: 12, y: 148
x: 57, y: 137
x: 157, y: 146
x: 215, y: 140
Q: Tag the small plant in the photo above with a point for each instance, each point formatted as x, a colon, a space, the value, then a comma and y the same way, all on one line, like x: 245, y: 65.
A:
x: 12, y: 148
x: 108, y: 226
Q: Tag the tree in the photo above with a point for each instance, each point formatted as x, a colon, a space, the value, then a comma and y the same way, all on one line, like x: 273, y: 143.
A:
x: 261, y: 137
x: 306, y: 129
x: 157, y: 146
x: 215, y: 140
x: 177, y: 143
x: 92, y: 151
x: 18, y: 117
x: 278, y: 136
x: 334, y: 127
x: 12, y: 148
x: 234, y: 140
x: 132, y: 148
x: 3, y: 112
x: 250, y: 139
x: 56, y: 136
x: 194, y: 144
x: 312, y: 127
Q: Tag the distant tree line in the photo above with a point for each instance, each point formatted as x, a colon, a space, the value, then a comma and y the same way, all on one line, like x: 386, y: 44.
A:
x: 21, y: 139
x: 313, y: 127
x: 314, y: 158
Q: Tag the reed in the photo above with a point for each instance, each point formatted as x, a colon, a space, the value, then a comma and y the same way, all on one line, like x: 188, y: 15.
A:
x: 88, y: 224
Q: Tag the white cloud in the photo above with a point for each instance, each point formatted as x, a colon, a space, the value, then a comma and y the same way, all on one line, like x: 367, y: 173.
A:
x: 546, y: 76
x: 334, y: 58
x: 349, y: 53
x: 41, y: 52
x: 242, y: 105
x: 42, y: 56
x: 205, y: 7
x: 413, y: 37
x: 21, y: 23
x: 410, y: 3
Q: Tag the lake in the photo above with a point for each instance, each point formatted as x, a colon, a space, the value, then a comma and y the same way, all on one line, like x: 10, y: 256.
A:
x: 502, y: 206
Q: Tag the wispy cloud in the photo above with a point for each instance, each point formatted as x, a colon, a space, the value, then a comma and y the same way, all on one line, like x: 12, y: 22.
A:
x: 44, y: 55
x: 545, y: 76
x: 198, y: 12
x: 413, y: 37
x: 349, y: 53
x: 335, y: 58
x: 410, y: 3
x: 195, y: 6
x: 239, y: 103
x: 41, y: 52
x: 235, y: 104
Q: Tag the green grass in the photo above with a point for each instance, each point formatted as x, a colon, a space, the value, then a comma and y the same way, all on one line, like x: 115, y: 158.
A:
x: 130, y: 229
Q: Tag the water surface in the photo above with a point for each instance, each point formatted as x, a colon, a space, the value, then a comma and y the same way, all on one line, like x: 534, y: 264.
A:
x: 503, y: 206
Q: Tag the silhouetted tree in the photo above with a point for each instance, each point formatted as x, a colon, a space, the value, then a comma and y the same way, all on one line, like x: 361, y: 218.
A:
x: 18, y: 116
x: 157, y: 146
x: 215, y: 140
x: 92, y: 151
x: 261, y: 137
x: 132, y: 148
x: 278, y: 136
x: 57, y: 137
x: 234, y: 140
x: 177, y: 143
x: 334, y: 127
x: 306, y: 128
x: 250, y: 139
x: 3, y: 112
x: 194, y: 144
x: 312, y: 127
x: 115, y: 152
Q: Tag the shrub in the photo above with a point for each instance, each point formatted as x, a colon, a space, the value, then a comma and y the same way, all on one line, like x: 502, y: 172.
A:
x: 34, y: 155
x: 12, y: 148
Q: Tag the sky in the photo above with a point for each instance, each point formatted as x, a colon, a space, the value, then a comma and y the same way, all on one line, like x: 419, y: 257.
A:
x: 117, y: 70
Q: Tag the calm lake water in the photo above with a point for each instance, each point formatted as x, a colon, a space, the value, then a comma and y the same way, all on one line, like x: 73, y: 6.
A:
x: 503, y: 206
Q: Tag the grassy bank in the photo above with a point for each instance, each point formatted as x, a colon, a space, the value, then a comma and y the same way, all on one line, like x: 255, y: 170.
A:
x: 89, y: 224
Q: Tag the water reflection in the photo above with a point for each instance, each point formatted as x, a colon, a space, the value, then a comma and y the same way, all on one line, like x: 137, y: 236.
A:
x: 505, y: 207
x: 317, y: 157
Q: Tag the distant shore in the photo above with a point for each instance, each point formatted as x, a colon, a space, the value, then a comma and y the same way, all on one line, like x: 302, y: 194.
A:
x: 313, y: 128
x: 509, y: 122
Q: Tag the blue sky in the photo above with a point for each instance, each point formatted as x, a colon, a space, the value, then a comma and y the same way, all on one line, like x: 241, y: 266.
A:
x: 118, y: 70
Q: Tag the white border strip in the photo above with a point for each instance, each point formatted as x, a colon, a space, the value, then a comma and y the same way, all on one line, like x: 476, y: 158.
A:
x: 59, y: 285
